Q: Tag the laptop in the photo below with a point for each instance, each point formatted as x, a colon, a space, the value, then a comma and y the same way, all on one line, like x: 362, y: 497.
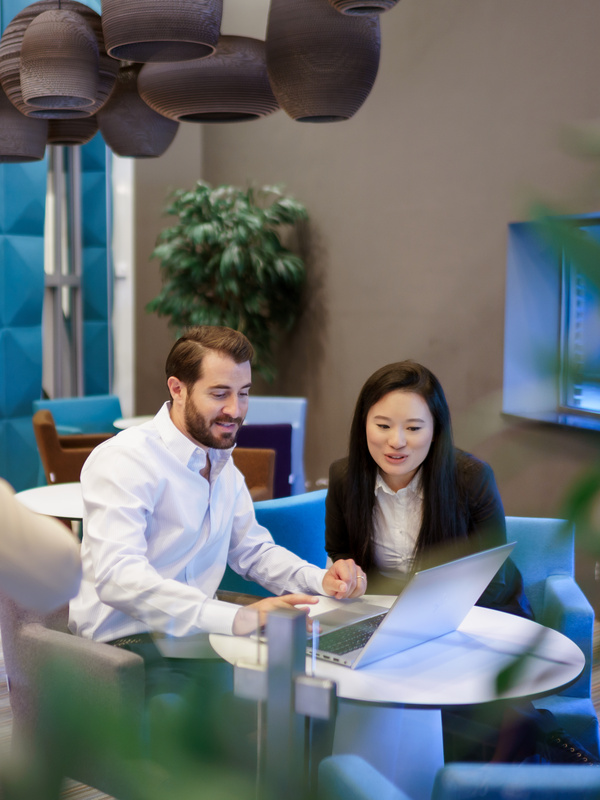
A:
x: 434, y: 602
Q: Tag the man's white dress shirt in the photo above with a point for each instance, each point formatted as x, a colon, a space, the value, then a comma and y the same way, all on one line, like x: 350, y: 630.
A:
x: 157, y: 537
x: 397, y: 523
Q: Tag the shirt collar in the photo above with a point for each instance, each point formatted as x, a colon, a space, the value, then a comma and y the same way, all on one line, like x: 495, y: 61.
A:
x: 184, y: 449
x: 415, y: 487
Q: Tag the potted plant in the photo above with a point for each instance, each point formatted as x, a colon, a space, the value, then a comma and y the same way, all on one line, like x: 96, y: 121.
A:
x: 223, y: 263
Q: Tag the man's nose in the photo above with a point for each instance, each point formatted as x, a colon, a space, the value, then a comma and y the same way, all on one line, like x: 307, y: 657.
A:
x: 232, y: 407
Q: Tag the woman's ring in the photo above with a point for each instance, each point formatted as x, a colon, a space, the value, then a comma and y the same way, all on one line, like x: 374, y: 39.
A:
x: 360, y: 578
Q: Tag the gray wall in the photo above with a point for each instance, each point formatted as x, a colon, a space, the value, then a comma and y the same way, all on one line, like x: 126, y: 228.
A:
x: 154, y: 180
x: 409, y: 203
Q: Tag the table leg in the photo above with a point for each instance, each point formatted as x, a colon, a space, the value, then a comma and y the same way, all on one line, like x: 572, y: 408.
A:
x: 404, y: 744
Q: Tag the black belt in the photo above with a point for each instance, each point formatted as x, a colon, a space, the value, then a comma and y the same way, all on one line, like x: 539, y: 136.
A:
x: 136, y: 638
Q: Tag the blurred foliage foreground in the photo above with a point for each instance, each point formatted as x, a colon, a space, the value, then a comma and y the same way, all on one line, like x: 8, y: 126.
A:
x: 193, y: 745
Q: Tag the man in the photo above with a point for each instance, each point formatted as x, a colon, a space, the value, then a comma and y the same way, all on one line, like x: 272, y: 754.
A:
x: 165, y: 509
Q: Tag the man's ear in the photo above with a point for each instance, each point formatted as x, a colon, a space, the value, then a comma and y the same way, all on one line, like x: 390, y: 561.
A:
x: 176, y: 389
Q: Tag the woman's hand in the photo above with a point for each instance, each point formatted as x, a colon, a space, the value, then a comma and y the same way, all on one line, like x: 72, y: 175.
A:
x: 345, y: 579
x: 252, y: 617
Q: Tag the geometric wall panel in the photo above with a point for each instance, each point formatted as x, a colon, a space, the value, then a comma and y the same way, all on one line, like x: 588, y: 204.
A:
x: 19, y: 458
x: 21, y: 279
x: 96, y: 286
x: 93, y: 188
x: 21, y: 363
x: 96, y: 367
x: 21, y: 210
x: 95, y: 282
x: 22, y: 201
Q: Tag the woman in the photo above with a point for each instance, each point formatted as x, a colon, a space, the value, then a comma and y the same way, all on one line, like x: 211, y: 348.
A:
x: 405, y: 497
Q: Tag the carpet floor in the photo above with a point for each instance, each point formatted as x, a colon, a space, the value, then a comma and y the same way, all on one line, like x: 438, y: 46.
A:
x: 78, y: 791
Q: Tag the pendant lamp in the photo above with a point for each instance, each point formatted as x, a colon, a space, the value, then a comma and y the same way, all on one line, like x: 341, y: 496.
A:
x: 21, y: 138
x: 360, y: 7
x: 128, y: 125
x: 322, y: 64
x: 72, y: 132
x: 155, y: 30
x: 10, y: 60
x: 59, y: 61
x: 230, y: 86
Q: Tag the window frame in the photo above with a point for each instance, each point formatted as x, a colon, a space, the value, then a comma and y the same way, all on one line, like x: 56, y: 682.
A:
x: 536, y: 322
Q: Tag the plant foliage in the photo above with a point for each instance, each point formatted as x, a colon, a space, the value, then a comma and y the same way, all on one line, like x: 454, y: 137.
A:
x: 223, y: 263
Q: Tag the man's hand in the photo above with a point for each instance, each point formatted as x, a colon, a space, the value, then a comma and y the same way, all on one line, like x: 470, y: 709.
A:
x: 344, y: 579
x: 250, y: 618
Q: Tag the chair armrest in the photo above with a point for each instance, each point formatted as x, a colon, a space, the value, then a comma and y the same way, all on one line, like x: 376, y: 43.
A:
x: 567, y: 610
x: 239, y: 598
x: 350, y: 777
x: 118, y: 673
x: 83, y: 440
x: 97, y: 693
x: 260, y: 493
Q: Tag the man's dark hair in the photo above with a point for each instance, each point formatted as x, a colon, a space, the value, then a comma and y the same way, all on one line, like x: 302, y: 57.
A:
x: 187, y: 354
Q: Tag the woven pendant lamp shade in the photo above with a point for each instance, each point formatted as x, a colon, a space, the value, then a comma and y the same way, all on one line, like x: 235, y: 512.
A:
x: 161, y: 30
x: 129, y: 126
x: 322, y: 64
x: 230, y: 86
x: 59, y: 61
x: 70, y: 132
x: 359, y: 7
x: 10, y: 60
x: 21, y: 138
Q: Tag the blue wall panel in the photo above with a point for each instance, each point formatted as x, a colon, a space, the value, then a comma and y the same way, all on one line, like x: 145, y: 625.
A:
x: 97, y: 288
x: 22, y: 210
x: 21, y: 280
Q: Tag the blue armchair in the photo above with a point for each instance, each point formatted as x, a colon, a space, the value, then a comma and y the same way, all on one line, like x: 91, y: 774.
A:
x: 545, y: 556
x: 349, y: 777
x: 296, y: 522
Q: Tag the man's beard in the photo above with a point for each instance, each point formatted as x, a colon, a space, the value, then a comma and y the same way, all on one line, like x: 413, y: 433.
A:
x: 199, y: 428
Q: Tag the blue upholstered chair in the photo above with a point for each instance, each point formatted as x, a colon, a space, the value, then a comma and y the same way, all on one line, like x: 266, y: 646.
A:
x: 349, y: 777
x: 522, y: 781
x: 91, y: 414
x: 296, y: 522
x: 545, y: 555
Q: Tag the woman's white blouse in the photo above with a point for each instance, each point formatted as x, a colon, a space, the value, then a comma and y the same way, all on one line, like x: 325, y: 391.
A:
x: 397, y: 523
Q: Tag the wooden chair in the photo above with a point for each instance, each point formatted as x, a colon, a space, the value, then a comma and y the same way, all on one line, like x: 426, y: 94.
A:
x: 62, y: 456
x: 257, y: 465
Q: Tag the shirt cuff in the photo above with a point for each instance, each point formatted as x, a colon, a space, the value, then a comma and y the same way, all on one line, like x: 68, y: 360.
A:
x: 315, y: 581
x: 221, y: 616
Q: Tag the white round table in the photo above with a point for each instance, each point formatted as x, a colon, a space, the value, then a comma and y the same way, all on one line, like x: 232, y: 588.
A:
x: 389, y: 711
x: 62, y: 500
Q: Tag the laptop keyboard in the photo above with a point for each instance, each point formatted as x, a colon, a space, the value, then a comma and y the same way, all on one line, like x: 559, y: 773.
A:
x: 351, y: 637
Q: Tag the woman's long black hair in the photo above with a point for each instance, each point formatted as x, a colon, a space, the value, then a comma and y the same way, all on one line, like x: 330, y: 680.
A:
x: 444, y: 509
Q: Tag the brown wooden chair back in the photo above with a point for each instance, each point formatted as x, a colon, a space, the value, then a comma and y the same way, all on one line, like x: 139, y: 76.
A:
x: 257, y: 465
x: 62, y: 456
